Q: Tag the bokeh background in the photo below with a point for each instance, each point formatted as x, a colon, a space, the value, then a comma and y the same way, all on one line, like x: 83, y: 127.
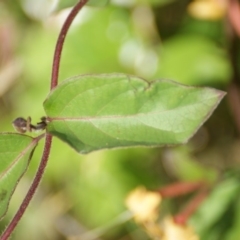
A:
x: 191, y: 42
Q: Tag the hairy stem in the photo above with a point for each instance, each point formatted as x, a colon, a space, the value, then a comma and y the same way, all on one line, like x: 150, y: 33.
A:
x: 10, y: 228
x: 60, y: 41
x: 48, y: 140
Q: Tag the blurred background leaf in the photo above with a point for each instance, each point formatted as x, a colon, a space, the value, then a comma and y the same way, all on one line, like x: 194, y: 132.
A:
x: 70, y: 3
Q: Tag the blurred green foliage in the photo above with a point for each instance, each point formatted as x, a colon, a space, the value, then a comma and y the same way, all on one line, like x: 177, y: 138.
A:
x: 79, y: 193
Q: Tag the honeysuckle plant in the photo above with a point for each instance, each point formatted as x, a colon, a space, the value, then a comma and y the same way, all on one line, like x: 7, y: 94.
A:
x: 100, y: 111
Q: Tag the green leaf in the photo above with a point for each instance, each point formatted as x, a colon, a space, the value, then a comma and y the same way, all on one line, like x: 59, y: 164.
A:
x: 99, y: 3
x: 71, y: 3
x: 212, y: 209
x: 234, y: 230
x: 159, y: 2
x: 92, y: 112
x: 205, y: 62
x: 15, y: 154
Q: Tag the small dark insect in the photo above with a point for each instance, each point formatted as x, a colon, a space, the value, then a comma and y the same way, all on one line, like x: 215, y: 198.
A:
x: 23, y: 125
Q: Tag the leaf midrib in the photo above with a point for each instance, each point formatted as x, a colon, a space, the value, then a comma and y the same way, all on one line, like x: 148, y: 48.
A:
x: 21, y: 154
x: 89, y: 118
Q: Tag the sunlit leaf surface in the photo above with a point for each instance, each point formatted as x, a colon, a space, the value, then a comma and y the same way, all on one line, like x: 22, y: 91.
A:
x: 70, y: 3
x: 92, y: 112
x: 98, y: 2
x: 15, y: 153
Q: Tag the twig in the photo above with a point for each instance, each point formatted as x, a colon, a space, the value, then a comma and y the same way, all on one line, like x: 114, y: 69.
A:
x: 192, y: 206
x: 233, y: 90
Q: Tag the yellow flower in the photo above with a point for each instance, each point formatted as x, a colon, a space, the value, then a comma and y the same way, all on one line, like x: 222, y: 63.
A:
x: 173, y: 231
x: 144, y: 205
x: 208, y: 9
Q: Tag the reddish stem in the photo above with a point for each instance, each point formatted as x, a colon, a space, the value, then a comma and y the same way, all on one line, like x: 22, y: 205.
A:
x: 48, y: 140
x: 180, y: 188
x: 234, y: 15
x: 233, y: 90
x: 60, y: 41
x: 192, y: 206
x: 10, y: 228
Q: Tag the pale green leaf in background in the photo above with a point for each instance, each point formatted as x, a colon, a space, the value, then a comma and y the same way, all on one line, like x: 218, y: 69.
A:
x: 209, y: 212
x: 234, y: 231
x: 71, y: 3
x: 159, y: 2
x: 15, y: 154
x: 99, y: 3
x: 92, y: 112
x: 194, y: 60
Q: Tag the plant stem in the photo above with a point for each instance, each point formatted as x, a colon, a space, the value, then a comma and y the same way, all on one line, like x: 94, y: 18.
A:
x: 180, y: 188
x: 60, y: 41
x: 234, y: 15
x: 192, y: 206
x: 48, y: 140
x: 10, y: 228
x: 233, y: 89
